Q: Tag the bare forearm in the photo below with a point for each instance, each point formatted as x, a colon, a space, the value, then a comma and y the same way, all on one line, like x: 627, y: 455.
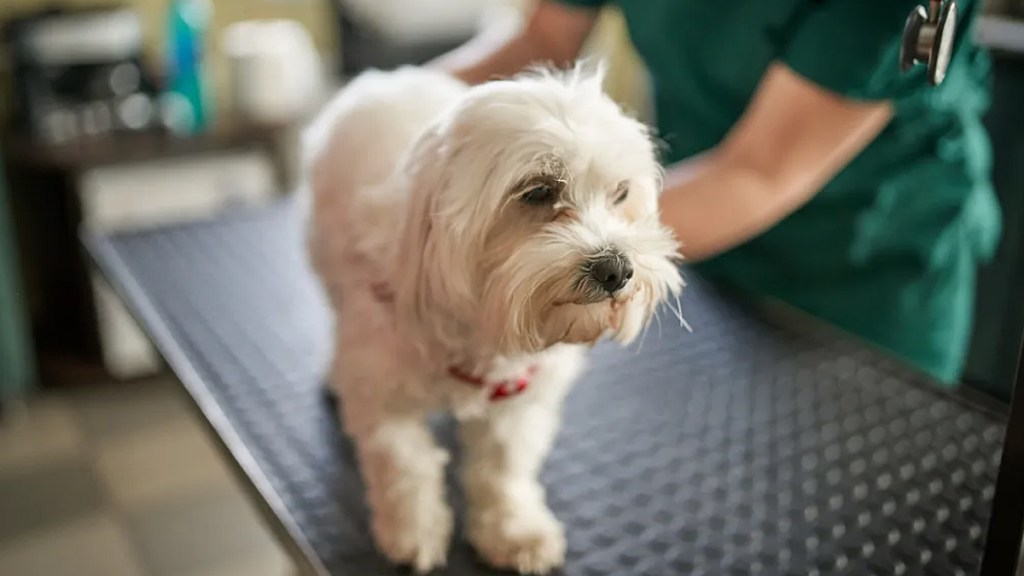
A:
x: 714, y: 205
x: 793, y: 138
x: 495, y: 53
x: 553, y: 34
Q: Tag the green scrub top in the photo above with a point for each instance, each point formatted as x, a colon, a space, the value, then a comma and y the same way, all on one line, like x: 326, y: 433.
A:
x: 888, y: 249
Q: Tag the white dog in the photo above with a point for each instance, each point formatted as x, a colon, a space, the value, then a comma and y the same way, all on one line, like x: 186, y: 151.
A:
x: 472, y: 242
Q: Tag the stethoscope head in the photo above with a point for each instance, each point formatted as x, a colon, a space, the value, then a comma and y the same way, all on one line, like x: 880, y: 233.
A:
x: 928, y: 38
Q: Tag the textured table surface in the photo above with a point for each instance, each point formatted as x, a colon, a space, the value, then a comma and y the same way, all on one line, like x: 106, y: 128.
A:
x: 741, y: 448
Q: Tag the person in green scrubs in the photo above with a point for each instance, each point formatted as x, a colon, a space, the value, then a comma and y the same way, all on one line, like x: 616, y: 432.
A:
x: 801, y: 163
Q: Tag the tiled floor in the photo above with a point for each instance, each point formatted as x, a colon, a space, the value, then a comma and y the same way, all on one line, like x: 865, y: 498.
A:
x: 120, y: 480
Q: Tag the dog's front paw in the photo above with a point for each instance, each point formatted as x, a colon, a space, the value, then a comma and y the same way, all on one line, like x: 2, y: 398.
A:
x: 527, y: 539
x: 420, y: 542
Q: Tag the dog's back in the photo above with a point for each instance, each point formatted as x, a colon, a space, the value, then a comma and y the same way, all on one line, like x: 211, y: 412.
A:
x: 350, y: 154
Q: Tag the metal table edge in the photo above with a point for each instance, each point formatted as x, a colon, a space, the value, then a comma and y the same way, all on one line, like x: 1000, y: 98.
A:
x: 257, y: 486
x: 1002, y: 554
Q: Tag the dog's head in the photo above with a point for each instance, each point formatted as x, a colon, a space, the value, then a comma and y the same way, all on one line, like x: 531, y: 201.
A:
x: 534, y: 219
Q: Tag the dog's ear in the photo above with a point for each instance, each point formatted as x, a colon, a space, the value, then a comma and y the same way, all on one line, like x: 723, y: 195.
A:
x: 429, y: 268
x: 423, y: 173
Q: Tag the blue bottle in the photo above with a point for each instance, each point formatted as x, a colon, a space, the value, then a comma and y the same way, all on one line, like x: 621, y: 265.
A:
x: 187, y: 104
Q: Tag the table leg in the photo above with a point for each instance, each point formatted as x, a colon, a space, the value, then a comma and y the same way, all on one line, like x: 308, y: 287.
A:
x: 1006, y: 526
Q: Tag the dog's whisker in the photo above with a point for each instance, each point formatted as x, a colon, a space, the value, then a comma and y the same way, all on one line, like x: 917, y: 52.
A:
x: 657, y: 318
x: 682, y: 318
x: 686, y: 325
x: 678, y: 310
x: 643, y: 333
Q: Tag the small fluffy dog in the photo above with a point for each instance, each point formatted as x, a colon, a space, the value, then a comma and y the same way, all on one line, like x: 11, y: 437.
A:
x: 473, y: 242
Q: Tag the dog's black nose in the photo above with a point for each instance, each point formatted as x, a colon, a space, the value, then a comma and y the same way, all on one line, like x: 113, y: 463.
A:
x: 611, y: 272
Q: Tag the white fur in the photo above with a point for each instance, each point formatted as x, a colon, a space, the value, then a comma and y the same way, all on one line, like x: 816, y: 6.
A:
x: 415, y: 182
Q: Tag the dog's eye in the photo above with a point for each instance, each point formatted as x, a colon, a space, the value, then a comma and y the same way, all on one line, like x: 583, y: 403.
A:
x: 621, y: 194
x: 539, y: 195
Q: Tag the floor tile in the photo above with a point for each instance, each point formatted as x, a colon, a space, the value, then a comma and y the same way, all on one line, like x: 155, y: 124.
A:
x: 172, y: 460
x: 123, y: 408
x: 45, y: 431
x: 212, y: 529
x: 271, y: 562
x: 91, y: 546
x: 39, y: 498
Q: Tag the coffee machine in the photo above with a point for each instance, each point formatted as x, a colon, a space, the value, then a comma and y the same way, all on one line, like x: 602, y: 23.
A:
x: 80, y: 73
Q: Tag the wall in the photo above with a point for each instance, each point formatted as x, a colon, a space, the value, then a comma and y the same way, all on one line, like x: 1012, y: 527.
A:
x: 316, y: 15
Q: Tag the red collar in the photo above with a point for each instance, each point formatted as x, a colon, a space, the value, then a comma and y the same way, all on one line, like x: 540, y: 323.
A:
x: 499, y: 390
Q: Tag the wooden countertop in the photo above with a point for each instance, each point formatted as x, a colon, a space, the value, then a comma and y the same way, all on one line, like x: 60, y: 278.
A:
x: 91, y: 152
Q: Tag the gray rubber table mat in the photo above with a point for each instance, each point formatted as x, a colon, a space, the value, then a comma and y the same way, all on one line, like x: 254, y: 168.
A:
x: 741, y: 448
